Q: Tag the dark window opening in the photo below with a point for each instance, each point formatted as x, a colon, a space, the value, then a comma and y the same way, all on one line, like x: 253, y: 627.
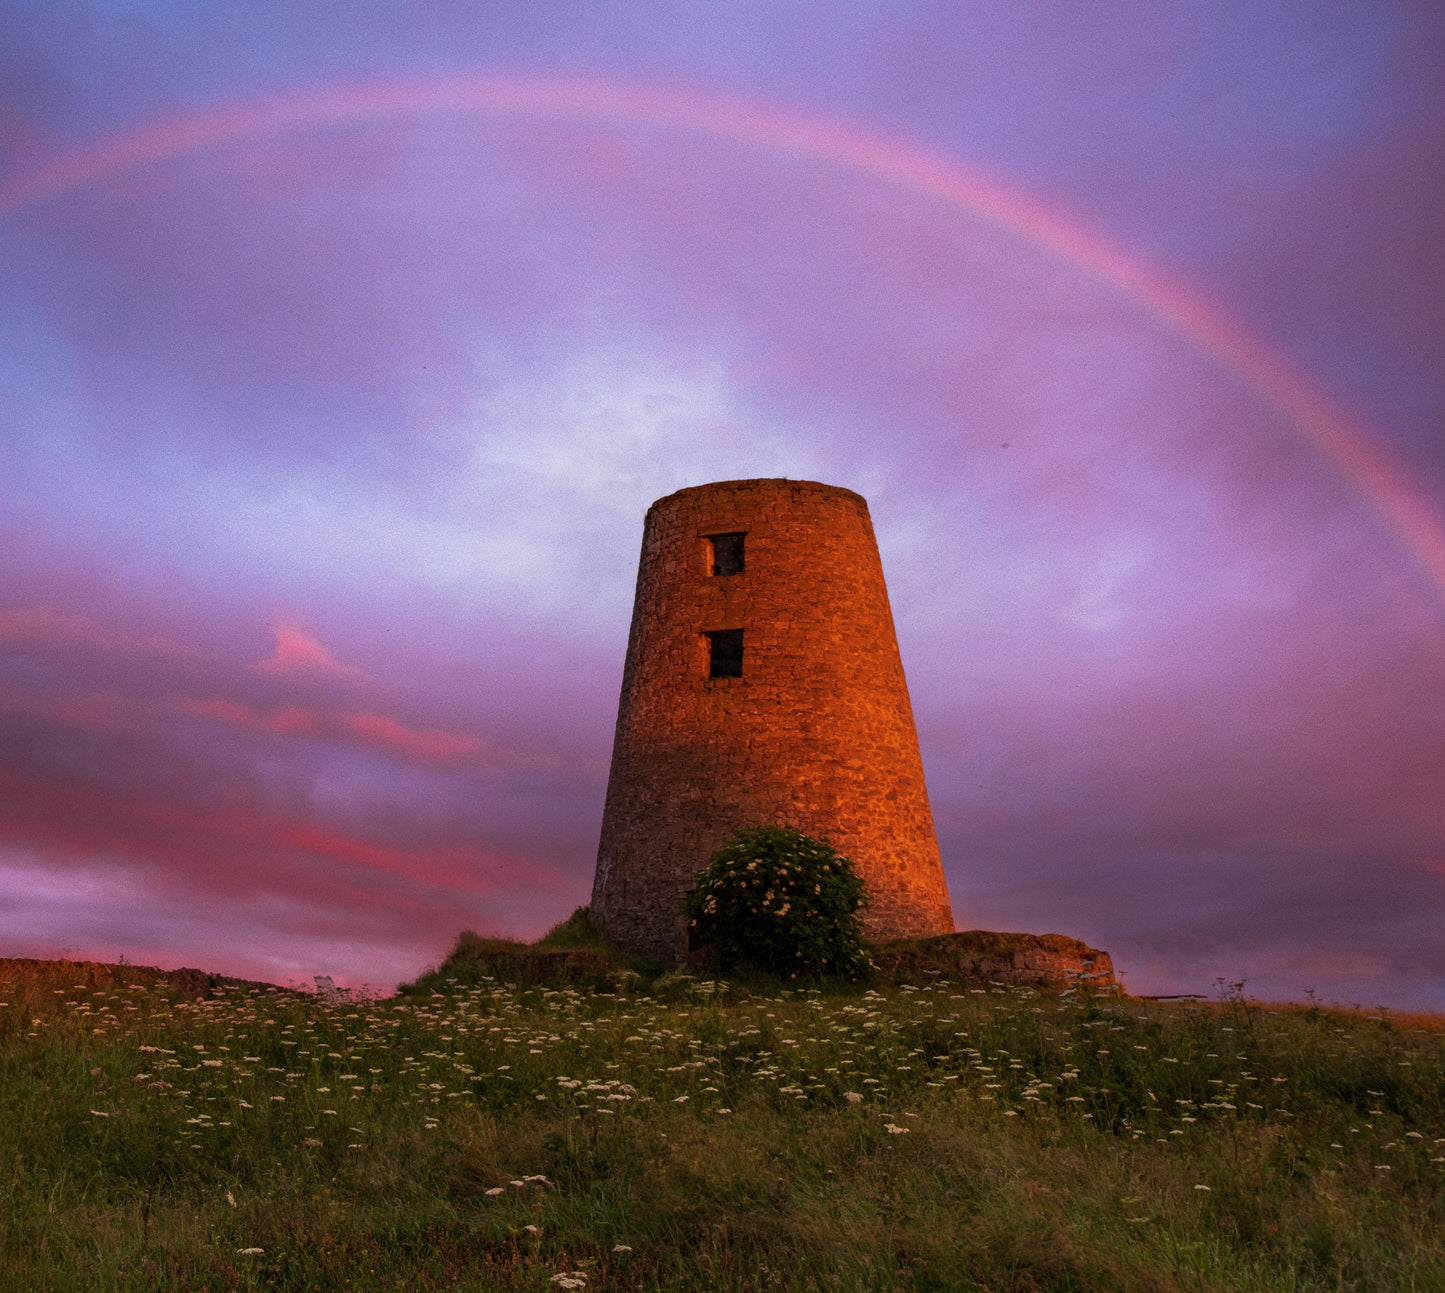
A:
x: 727, y: 554
x: 727, y: 654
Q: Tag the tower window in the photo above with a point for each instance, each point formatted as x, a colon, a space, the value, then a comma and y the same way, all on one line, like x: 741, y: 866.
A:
x: 725, y: 554
x: 726, y: 655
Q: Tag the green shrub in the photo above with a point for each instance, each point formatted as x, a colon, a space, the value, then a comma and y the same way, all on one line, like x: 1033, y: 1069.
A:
x: 777, y: 900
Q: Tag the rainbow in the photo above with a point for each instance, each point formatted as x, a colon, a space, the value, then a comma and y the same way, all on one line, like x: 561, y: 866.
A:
x: 1316, y: 418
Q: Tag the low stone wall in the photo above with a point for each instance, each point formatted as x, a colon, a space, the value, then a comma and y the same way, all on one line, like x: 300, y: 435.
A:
x: 1039, y: 960
x: 19, y: 974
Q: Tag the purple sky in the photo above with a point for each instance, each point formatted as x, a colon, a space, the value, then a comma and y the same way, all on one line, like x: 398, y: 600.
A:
x: 343, y: 347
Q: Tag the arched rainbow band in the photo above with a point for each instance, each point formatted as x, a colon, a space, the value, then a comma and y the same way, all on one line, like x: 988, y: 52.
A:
x: 1313, y: 416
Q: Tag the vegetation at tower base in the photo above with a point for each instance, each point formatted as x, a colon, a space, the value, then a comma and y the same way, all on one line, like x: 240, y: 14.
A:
x: 571, y: 953
x: 776, y: 900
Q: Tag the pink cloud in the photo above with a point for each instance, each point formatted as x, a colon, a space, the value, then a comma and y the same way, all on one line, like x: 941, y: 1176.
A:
x: 223, y: 711
x: 247, y: 845
x: 376, y: 732
x: 300, y: 656
x: 48, y: 629
x: 425, y: 744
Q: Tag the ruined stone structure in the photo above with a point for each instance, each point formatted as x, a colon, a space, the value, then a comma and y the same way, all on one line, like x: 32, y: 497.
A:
x: 762, y: 687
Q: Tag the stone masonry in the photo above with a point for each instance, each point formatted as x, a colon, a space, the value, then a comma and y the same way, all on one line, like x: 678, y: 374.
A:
x: 770, y: 696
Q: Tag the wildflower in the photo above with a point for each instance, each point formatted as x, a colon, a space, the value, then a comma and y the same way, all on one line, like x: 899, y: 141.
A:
x: 495, y: 1190
x: 251, y: 1252
x: 894, y: 1130
x: 1201, y: 1187
x: 311, y: 1143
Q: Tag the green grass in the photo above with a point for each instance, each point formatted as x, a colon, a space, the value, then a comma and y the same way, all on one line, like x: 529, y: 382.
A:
x: 699, y: 1135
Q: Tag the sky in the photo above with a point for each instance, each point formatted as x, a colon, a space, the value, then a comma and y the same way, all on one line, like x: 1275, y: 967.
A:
x: 344, y: 347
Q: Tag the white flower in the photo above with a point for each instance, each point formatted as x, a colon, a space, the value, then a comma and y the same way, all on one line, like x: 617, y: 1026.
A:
x: 251, y: 1252
x: 894, y: 1130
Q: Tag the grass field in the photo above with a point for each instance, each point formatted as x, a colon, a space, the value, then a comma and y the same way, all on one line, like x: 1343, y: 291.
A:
x: 690, y: 1134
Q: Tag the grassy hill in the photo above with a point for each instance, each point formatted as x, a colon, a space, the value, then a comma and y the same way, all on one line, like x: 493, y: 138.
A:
x: 637, y: 1132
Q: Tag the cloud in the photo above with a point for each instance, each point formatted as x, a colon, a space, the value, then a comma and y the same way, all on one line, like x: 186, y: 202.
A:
x: 368, y: 730
x: 98, y: 711
x: 105, y: 907
x: 270, y: 845
x: 47, y: 629
x: 426, y: 745
x: 299, y: 656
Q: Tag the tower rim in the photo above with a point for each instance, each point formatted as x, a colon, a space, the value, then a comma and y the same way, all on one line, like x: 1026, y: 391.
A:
x: 723, y: 486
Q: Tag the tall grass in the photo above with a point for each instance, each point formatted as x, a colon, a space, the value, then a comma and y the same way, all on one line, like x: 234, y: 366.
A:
x: 700, y: 1135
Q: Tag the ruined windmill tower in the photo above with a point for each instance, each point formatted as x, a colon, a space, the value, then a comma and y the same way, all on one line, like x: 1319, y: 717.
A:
x: 762, y: 687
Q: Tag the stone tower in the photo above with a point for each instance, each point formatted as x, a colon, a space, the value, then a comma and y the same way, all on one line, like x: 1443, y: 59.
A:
x: 762, y: 687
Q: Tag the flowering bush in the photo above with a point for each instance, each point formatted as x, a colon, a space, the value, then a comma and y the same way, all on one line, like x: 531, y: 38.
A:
x: 777, y: 900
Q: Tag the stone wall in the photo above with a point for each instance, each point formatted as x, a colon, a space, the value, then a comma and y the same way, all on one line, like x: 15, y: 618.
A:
x: 985, y: 956
x: 816, y: 733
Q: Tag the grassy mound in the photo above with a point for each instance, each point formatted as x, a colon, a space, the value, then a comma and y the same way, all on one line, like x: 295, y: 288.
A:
x: 510, y: 1138
x: 572, y: 953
